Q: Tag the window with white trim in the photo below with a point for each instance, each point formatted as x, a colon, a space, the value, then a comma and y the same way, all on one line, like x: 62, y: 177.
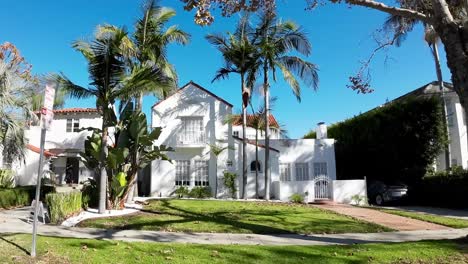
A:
x: 235, y: 133
x: 192, y: 130
x: 73, y: 125
x: 285, y: 172
x: 302, y: 171
x: 201, y: 173
x: 320, y: 169
x: 182, y: 177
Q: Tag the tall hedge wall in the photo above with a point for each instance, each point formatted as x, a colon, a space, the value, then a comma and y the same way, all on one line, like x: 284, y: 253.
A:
x: 395, y: 142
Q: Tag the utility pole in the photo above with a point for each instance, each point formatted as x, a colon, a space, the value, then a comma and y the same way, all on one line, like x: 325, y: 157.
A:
x: 47, y: 116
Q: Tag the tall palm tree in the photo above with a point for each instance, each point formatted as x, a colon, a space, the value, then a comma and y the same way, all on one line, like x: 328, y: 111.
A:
x: 151, y: 39
x: 110, y: 80
x: 275, y: 40
x: 240, y: 57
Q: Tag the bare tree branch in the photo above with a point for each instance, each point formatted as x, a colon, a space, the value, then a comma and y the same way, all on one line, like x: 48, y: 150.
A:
x: 391, y: 10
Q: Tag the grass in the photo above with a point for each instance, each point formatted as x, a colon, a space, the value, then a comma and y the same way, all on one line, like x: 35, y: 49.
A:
x: 14, y: 249
x: 234, y: 217
x: 440, y: 220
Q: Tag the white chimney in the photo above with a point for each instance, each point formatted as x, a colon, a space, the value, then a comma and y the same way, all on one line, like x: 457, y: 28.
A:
x: 321, y: 131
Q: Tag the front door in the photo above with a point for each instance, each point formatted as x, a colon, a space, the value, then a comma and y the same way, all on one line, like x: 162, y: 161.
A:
x: 72, y: 171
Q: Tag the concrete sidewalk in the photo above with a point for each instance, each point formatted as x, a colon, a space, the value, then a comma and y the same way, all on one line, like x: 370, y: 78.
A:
x: 15, y: 225
x: 444, y: 212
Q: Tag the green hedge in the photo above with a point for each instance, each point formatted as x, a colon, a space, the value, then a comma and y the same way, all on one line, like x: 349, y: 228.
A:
x: 63, y: 205
x: 442, y: 190
x: 16, y: 197
x: 397, y: 141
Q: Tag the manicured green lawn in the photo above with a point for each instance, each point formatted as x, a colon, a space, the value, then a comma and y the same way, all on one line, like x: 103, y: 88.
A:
x: 15, y: 248
x: 234, y: 217
x: 441, y: 220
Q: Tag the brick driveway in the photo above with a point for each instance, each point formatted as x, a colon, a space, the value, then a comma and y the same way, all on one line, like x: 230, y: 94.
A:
x: 395, y: 222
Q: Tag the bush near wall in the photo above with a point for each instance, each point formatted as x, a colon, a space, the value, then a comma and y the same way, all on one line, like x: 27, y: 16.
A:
x: 442, y: 189
x: 395, y: 142
x: 63, y: 205
x: 14, y: 197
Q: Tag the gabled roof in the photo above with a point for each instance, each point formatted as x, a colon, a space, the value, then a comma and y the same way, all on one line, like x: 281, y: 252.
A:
x: 251, y: 120
x: 191, y: 83
x: 428, y: 89
x: 252, y: 142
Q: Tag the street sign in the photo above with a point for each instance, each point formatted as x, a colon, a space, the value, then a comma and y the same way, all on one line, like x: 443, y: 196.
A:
x: 47, y: 114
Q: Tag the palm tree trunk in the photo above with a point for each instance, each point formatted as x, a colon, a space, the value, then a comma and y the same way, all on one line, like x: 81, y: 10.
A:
x: 216, y: 178
x: 256, y: 167
x: 244, y: 142
x: 267, y: 132
x: 435, y: 53
x: 132, y: 189
x: 103, y: 171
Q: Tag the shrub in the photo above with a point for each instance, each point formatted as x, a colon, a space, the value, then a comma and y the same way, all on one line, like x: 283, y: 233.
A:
x: 90, y: 194
x: 297, y: 198
x: 17, y: 197
x: 358, y: 199
x: 229, y: 179
x: 182, y: 191
x: 63, y: 205
x: 7, y: 178
x: 200, y: 192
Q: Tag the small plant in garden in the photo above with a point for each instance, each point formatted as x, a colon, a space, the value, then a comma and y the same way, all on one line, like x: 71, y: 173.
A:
x: 16, y: 197
x: 63, y: 205
x: 229, y: 179
x: 90, y: 194
x: 358, y: 199
x: 297, y: 198
x: 182, y: 191
x: 200, y: 192
x: 7, y: 179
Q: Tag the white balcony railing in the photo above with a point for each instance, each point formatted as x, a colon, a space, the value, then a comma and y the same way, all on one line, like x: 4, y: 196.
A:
x: 191, y: 139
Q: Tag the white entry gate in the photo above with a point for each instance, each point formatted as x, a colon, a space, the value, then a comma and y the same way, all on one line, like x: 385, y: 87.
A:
x: 322, y: 188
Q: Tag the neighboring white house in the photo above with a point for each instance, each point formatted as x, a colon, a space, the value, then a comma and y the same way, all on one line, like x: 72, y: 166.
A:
x: 456, y: 123
x: 275, y: 129
x: 64, y: 141
x: 193, y: 118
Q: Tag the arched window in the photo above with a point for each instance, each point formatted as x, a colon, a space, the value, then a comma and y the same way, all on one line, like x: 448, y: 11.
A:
x: 255, y: 164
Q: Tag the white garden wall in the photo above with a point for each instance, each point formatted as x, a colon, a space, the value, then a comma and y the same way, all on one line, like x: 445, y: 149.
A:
x: 343, y: 190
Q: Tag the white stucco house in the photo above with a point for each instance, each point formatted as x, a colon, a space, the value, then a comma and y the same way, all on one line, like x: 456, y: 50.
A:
x: 193, y: 119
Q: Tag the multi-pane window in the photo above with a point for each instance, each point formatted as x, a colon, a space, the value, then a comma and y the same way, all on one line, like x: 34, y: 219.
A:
x: 236, y: 133
x: 302, y: 172
x: 73, y: 125
x: 182, y: 177
x: 192, y: 130
x: 320, y: 169
x: 285, y: 172
x: 201, y: 173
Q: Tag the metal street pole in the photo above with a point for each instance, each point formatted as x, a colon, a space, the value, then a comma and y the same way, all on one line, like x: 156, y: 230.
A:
x: 38, y: 191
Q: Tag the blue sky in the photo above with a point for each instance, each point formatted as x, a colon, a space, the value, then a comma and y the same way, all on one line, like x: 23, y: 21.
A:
x: 341, y: 37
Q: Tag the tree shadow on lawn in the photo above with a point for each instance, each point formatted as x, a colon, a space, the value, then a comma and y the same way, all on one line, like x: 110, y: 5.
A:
x: 7, y: 239
x: 241, y: 221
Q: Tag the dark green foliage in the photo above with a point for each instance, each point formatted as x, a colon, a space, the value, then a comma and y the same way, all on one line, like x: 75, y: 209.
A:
x: 395, y: 142
x: 7, y: 179
x: 229, y: 179
x: 297, y: 198
x: 17, y: 197
x: 442, y: 189
x: 63, y: 205
x: 200, y: 192
x: 90, y: 194
x: 182, y: 191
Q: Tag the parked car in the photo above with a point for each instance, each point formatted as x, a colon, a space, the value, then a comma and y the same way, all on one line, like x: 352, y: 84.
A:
x: 380, y: 193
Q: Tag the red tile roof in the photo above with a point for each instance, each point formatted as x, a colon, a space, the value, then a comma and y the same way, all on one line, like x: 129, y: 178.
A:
x: 251, y: 119
x: 38, y: 150
x: 197, y: 86
x: 252, y: 142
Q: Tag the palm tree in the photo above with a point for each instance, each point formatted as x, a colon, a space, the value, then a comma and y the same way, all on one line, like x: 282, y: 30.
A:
x: 240, y: 57
x: 110, y: 80
x: 151, y: 39
x: 275, y: 40
x: 15, y: 111
x: 216, y: 150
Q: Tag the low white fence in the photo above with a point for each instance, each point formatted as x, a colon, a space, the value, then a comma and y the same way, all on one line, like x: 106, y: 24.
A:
x: 345, y: 190
x: 341, y: 191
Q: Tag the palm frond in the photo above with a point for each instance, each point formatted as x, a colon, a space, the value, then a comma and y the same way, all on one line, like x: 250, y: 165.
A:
x: 65, y: 86
x: 306, y: 71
